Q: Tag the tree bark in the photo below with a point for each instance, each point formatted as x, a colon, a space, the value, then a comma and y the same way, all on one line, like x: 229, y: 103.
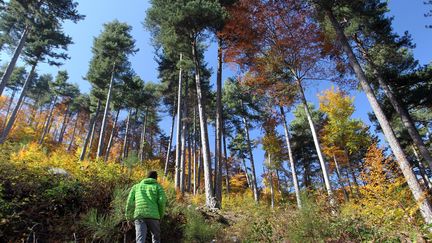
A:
x: 111, y: 139
x: 178, y: 129
x: 225, y: 159
x: 48, y: 122
x: 271, y: 184
x: 143, y: 134
x: 189, y: 182
x: 316, y: 142
x: 73, y: 133
x: 339, y: 176
x: 8, y: 109
x: 169, y: 143
x: 291, y: 158
x: 402, y: 112
x: 90, y: 132
x: 418, y: 192
x: 12, y: 119
x: 194, y: 139
x: 211, y: 201
x: 218, y: 145
x: 247, y: 174
x: 254, y: 180
x: 9, y: 69
x: 183, y: 139
x: 105, y: 116
x: 125, y: 140
x: 64, y: 124
x: 422, y: 170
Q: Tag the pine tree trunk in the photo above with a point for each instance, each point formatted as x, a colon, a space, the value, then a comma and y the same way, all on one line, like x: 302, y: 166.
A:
x: 183, y: 139
x: 211, y: 201
x: 247, y: 174
x: 189, y: 162
x: 105, y: 116
x: 12, y: 119
x: 195, y: 166
x: 225, y: 158
x: 90, y: 132
x: 143, y: 137
x: 92, y: 137
x: 178, y: 129
x: 219, y: 122
x: 169, y: 144
x: 73, y: 133
x: 48, y: 122
x: 125, y: 140
x: 418, y: 192
x: 254, y: 180
x: 291, y: 158
x: 9, y: 69
x: 111, y: 139
x: 9, y: 108
x: 339, y: 176
x: 64, y: 124
x: 403, y: 113
x: 316, y: 142
x: 422, y: 170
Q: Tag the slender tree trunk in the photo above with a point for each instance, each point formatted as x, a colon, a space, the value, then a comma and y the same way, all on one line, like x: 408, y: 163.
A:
x: 90, y: 132
x: 12, y: 119
x: 9, y: 69
x: 189, y: 162
x: 339, y: 176
x: 219, y: 124
x: 403, y: 113
x: 279, y: 188
x: 225, y: 158
x: 143, y: 136
x: 254, y: 180
x: 64, y: 124
x: 125, y: 140
x: 9, y: 108
x: 73, y: 133
x: 247, y: 174
x: 317, y: 143
x: 105, y: 116
x: 178, y: 128
x: 291, y: 158
x: 194, y: 139
x: 422, y: 170
x: 271, y: 184
x: 183, y: 139
x: 418, y: 192
x: 200, y: 166
x: 351, y: 169
x: 169, y: 144
x: 111, y: 139
x: 92, y: 136
x: 48, y: 122
x: 211, y: 201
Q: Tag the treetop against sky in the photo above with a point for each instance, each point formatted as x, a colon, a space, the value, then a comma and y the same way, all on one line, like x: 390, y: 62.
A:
x: 408, y: 16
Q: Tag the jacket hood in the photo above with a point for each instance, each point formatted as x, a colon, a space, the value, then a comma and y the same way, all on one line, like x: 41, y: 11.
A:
x: 149, y: 181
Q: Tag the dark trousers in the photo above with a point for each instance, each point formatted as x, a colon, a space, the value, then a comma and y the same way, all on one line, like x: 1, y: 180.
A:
x: 141, y: 226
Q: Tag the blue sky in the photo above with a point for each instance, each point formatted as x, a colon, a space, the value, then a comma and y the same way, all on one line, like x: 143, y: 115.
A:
x: 408, y: 16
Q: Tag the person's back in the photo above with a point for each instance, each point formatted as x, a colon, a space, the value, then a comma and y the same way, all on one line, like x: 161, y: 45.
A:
x: 146, y: 205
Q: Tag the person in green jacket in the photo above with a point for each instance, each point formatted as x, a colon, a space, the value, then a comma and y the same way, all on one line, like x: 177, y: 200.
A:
x: 146, y: 206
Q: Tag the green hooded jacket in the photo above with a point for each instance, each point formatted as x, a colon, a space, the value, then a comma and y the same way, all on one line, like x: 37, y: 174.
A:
x: 146, y: 200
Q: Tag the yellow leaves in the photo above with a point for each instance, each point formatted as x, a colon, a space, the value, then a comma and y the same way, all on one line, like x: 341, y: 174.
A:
x: 336, y: 104
x: 384, y: 200
x: 35, y: 157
